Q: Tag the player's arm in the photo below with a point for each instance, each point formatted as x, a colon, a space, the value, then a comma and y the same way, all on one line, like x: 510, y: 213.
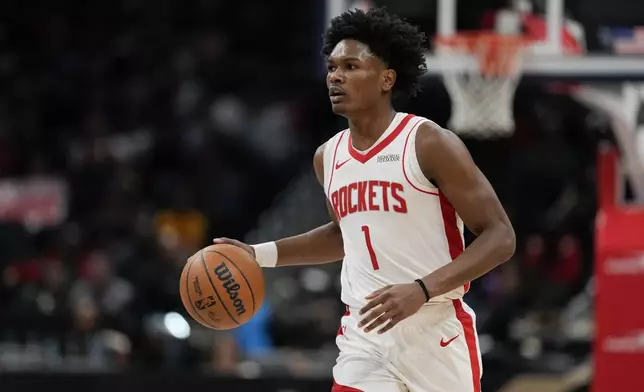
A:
x: 445, y: 160
x: 318, y: 246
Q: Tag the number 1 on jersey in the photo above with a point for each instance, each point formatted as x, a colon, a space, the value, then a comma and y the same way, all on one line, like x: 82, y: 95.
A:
x: 372, y: 253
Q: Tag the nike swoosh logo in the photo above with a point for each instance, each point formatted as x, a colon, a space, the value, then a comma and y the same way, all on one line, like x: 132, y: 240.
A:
x: 446, y: 343
x: 339, y: 165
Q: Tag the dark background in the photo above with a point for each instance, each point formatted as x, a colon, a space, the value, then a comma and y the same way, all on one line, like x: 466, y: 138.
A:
x: 171, y: 123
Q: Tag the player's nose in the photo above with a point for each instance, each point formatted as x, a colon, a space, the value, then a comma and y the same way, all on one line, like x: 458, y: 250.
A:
x: 336, y: 77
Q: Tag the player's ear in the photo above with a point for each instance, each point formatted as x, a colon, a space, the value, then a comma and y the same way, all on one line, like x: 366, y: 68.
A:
x: 388, y: 80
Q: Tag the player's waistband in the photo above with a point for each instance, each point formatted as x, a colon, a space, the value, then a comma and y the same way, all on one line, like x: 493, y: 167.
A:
x: 428, y: 313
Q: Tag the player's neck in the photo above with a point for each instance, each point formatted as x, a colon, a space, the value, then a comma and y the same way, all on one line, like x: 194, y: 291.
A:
x: 367, y: 128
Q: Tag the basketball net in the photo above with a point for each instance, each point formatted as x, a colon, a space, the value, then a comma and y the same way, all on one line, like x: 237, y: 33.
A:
x: 481, y: 72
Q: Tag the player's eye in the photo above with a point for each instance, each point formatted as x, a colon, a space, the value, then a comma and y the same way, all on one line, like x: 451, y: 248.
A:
x: 331, y: 68
x: 351, y: 67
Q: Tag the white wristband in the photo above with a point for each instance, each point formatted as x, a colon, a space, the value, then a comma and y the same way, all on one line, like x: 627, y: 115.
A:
x: 266, y: 254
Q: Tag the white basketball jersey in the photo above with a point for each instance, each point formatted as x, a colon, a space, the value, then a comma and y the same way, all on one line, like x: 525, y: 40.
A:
x: 396, y: 225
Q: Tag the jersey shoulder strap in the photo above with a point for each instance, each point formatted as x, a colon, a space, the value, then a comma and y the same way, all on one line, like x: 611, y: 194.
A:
x: 330, y: 152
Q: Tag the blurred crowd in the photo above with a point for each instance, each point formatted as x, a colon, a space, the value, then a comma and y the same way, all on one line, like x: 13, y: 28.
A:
x: 138, y: 134
x: 130, y: 136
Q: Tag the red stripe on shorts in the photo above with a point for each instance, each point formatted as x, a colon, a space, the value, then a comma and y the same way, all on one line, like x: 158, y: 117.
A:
x: 343, y: 388
x: 467, y: 322
x: 341, y: 329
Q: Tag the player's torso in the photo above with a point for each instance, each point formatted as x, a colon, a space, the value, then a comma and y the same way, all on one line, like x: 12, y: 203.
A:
x: 396, y: 226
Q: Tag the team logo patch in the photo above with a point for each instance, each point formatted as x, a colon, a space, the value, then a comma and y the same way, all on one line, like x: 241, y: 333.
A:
x: 338, y: 165
x: 388, y: 158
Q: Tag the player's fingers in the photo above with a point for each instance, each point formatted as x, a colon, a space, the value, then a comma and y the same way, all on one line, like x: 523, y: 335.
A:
x: 224, y: 240
x: 239, y: 244
x: 395, y: 320
x: 373, y: 314
x: 380, y: 299
x: 384, y: 317
x: 377, y: 292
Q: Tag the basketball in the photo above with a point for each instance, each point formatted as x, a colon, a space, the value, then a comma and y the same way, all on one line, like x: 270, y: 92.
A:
x: 222, y: 286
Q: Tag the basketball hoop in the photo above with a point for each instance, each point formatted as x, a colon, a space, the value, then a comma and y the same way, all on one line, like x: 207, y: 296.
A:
x: 481, y: 71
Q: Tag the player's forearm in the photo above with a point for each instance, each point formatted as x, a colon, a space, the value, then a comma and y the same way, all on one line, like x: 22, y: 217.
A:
x: 493, y: 247
x: 318, y: 246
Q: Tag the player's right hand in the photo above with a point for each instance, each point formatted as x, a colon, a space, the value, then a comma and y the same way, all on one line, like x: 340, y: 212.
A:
x: 229, y: 241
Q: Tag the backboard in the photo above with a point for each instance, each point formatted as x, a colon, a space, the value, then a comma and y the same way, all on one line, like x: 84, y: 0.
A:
x: 599, y: 62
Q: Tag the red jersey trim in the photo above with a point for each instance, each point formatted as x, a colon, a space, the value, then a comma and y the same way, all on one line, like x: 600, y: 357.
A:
x: 335, y: 153
x: 364, y: 157
x: 452, y: 232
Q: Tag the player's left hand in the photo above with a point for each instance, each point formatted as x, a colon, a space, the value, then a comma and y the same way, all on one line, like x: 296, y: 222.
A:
x: 392, y: 303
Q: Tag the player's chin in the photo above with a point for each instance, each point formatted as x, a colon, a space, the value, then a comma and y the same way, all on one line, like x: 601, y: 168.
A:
x: 339, y: 107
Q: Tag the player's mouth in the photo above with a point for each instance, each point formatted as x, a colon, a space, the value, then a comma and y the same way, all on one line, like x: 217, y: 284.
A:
x: 336, y: 94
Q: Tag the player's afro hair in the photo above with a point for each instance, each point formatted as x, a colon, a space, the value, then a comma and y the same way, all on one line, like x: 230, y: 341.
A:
x: 397, y: 43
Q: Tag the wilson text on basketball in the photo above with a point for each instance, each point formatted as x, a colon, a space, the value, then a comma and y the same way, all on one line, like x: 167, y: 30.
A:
x: 232, y: 287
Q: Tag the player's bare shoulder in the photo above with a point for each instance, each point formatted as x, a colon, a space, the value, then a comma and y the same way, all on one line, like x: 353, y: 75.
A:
x: 431, y: 136
x: 437, y: 146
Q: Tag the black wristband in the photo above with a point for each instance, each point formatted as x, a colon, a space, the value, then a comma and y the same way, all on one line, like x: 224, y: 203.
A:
x: 422, y: 286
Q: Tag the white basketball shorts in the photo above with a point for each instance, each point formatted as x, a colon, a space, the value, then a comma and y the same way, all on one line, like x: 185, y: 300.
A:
x: 435, y: 350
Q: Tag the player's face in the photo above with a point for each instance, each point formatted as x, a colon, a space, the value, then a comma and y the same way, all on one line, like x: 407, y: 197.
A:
x: 357, y: 80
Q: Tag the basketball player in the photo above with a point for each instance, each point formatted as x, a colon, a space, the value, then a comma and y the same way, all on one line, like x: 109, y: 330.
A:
x: 399, y: 189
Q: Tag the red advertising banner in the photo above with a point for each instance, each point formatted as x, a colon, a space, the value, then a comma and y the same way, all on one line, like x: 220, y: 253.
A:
x: 34, y: 202
x: 619, y: 312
